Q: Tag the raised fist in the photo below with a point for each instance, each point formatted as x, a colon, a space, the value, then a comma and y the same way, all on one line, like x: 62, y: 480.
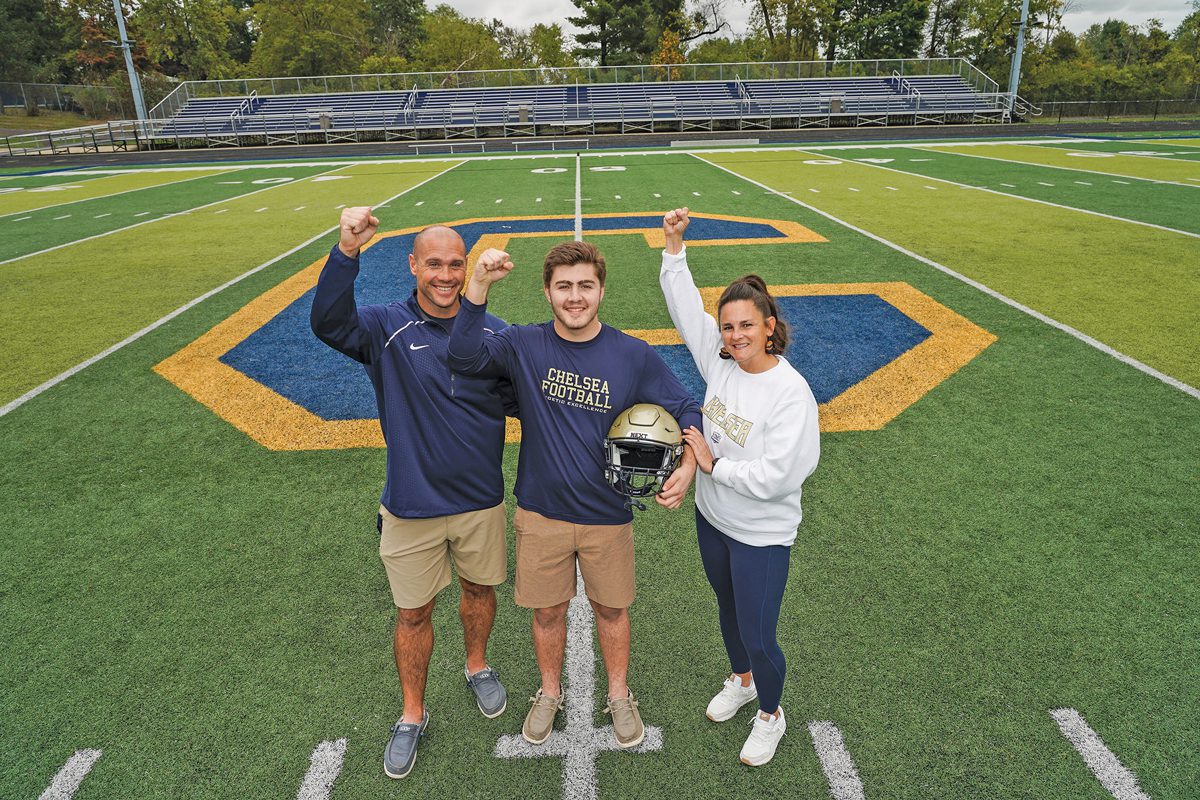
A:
x: 357, y: 227
x: 492, y: 266
x: 675, y: 223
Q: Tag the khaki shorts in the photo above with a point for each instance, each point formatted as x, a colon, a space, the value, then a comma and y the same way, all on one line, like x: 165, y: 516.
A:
x: 546, y: 553
x: 416, y: 552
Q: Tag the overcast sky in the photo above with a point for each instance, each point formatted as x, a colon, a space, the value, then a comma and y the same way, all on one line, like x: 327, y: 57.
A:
x: 1083, y: 12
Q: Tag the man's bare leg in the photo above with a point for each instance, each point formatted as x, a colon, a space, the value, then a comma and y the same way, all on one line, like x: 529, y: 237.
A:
x: 477, y: 609
x: 413, y: 646
x: 549, y: 642
x: 612, y: 625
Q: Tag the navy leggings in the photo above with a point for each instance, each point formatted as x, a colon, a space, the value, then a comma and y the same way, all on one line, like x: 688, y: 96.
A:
x: 749, y: 583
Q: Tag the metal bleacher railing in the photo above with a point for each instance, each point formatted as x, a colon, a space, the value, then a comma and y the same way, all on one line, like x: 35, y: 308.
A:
x: 533, y: 103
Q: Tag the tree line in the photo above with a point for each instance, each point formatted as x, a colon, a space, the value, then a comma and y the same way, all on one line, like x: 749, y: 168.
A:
x: 69, y: 41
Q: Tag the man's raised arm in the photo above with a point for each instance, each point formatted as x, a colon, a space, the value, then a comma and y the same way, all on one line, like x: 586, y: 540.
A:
x: 334, y: 317
x: 471, y: 353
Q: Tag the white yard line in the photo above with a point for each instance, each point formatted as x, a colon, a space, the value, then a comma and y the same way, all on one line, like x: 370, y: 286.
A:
x: 1072, y: 169
x: 1083, y: 337
x: 578, y: 199
x: 156, y: 219
x: 214, y: 170
x: 57, y: 379
x: 67, y: 781
x: 1028, y: 199
x: 1117, y: 780
x: 836, y: 763
x: 324, y: 766
x: 579, y: 743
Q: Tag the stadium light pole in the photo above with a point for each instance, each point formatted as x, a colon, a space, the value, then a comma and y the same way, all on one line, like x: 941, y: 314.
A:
x: 1014, y: 76
x: 135, y: 85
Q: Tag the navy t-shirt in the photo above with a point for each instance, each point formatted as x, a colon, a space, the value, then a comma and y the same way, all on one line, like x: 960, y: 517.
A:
x: 569, y: 393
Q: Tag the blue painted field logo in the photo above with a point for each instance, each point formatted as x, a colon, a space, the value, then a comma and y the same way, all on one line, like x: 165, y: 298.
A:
x: 868, y: 350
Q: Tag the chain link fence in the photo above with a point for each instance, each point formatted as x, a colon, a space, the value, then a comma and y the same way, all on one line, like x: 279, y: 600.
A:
x: 90, y: 100
x: 1070, y: 110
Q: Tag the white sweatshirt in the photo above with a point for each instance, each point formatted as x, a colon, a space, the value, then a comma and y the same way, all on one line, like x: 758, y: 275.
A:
x: 763, y: 427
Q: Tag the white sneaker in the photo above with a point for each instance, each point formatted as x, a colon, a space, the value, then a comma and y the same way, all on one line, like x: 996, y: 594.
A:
x: 764, y: 738
x: 731, y: 697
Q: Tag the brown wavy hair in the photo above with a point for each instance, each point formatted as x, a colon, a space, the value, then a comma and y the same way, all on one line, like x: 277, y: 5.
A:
x: 568, y: 254
x: 754, y: 289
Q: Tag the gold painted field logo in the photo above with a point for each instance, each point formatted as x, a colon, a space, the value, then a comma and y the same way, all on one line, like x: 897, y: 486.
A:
x: 259, y: 369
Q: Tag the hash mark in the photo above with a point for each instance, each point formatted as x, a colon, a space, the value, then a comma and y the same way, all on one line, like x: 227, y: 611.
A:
x: 22, y: 219
x: 1043, y: 183
x: 851, y: 188
x: 106, y: 214
x: 458, y: 202
x: 1009, y: 185
x: 324, y: 766
x: 144, y: 213
x: 1083, y: 183
x: 420, y: 203
x: 537, y: 200
x: 64, y: 216
x: 1108, y: 769
x: 891, y: 188
x: 222, y: 211
x: 735, y: 191
x: 616, y: 197
x: 836, y: 763
x: 656, y: 194
x: 299, y: 208
x: 499, y: 200
x: 260, y: 210
x: 934, y: 188
x: 67, y: 781
x: 1127, y: 182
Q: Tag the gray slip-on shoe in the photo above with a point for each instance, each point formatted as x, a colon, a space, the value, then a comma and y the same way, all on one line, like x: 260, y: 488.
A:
x: 489, y: 692
x: 401, y: 752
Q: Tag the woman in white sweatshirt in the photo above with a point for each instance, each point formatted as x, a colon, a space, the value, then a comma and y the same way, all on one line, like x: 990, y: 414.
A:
x: 760, y: 441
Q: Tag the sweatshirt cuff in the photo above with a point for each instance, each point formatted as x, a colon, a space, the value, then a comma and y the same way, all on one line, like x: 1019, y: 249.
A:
x: 676, y: 261
x: 466, y: 303
x: 336, y: 256
x: 721, y: 471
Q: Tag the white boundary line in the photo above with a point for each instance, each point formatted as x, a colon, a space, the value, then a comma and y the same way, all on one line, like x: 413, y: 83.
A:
x: 578, y: 201
x: 1117, y: 780
x: 1020, y: 197
x: 324, y: 766
x: 215, y: 170
x: 34, y: 392
x: 1072, y: 169
x: 167, y: 216
x: 563, y: 154
x: 836, y: 763
x: 1083, y: 337
x: 67, y: 781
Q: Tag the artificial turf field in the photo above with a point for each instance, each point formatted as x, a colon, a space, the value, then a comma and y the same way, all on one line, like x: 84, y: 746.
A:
x: 993, y: 532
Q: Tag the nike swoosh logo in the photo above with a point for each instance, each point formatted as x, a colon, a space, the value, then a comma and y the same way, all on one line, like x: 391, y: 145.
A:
x: 417, y: 346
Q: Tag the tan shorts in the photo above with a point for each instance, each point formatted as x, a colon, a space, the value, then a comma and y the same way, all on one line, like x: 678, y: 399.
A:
x: 416, y: 552
x: 546, y: 553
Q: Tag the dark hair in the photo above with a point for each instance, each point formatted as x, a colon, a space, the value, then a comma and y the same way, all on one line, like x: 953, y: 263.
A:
x: 754, y: 289
x: 568, y: 254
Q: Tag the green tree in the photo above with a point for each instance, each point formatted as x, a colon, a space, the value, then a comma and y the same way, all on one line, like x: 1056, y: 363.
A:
x: 34, y: 41
x: 396, y: 26
x: 883, y: 28
x: 190, y: 38
x: 309, y: 37
x: 453, y: 42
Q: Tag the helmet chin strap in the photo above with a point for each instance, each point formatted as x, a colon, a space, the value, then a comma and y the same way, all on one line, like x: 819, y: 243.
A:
x: 632, y: 503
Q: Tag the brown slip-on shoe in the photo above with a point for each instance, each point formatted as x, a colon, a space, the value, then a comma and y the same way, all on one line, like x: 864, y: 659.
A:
x: 627, y: 722
x: 539, y: 722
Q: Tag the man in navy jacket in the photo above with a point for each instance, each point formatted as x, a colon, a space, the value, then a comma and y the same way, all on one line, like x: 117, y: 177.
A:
x: 573, y: 376
x: 434, y: 423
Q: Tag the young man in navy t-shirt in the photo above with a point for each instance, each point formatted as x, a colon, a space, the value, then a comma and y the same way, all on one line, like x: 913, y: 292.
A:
x: 572, y: 376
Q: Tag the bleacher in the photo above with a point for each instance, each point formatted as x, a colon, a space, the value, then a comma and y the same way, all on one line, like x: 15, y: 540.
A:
x: 590, y: 108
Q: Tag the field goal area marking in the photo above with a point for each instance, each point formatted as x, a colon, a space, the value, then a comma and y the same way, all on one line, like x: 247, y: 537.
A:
x: 1116, y: 779
x: 67, y: 781
x: 1080, y: 335
x: 579, y: 743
